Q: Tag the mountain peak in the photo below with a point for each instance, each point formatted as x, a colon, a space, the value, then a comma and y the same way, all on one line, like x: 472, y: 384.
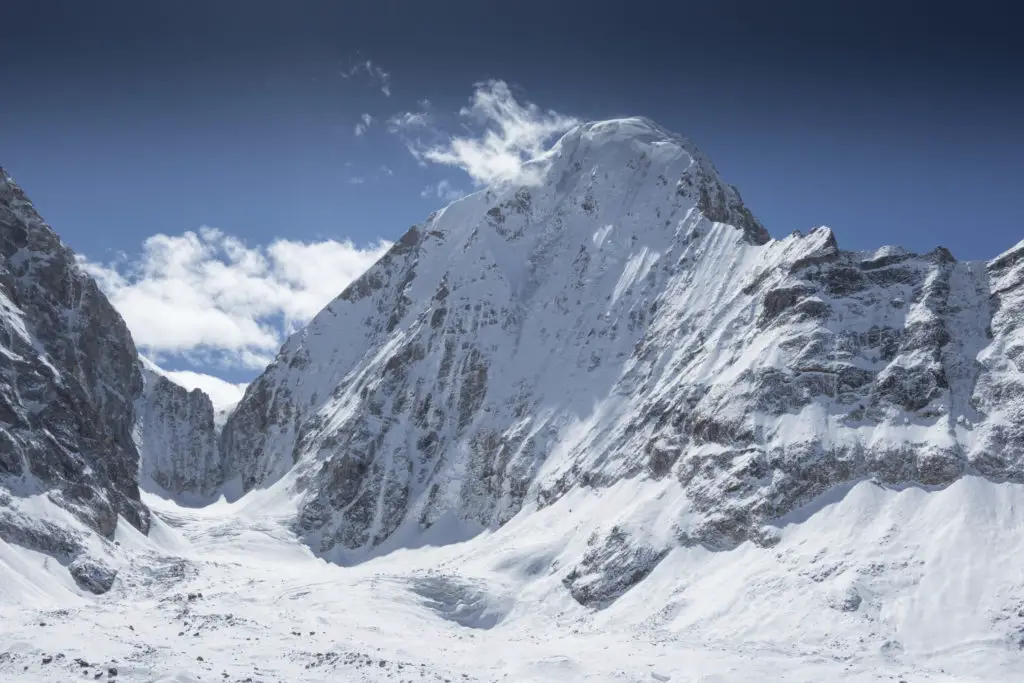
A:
x: 618, y: 156
x: 604, y: 141
x: 628, y: 128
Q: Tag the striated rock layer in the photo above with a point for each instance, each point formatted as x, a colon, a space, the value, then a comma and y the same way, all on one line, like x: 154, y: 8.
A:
x: 628, y: 317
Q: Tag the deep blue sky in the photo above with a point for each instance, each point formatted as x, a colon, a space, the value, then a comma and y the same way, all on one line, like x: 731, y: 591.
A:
x: 126, y: 118
x: 122, y: 119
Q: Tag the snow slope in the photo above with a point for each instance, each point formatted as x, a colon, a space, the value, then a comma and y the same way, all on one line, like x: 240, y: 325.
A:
x: 870, y: 584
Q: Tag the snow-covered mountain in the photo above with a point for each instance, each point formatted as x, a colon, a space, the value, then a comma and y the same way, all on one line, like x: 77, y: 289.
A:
x: 628, y: 318
x: 598, y: 427
x: 82, y: 417
x: 461, y: 370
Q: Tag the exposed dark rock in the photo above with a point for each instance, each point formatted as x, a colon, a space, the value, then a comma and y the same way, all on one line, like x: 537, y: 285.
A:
x: 849, y: 601
x: 778, y: 300
x: 611, y: 566
x: 92, y: 575
x: 177, y: 437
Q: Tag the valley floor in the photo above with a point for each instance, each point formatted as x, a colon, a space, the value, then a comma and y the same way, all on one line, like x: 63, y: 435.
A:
x: 225, y: 593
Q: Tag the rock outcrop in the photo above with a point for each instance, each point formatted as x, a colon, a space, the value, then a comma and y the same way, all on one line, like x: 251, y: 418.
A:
x: 176, y: 435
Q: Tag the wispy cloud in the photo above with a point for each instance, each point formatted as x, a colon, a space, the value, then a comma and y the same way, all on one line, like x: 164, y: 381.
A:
x: 443, y: 190
x: 409, y: 121
x: 208, y: 297
x: 364, y: 124
x: 378, y: 76
x: 356, y: 180
x: 499, y: 134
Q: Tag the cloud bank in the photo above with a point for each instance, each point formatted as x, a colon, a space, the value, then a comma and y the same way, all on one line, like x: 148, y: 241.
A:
x: 364, y: 125
x: 443, y: 190
x: 208, y: 297
x: 500, y: 133
x: 223, y: 394
x: 377, y: 75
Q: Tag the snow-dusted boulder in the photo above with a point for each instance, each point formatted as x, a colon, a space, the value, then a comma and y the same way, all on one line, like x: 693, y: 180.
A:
x: 92, y: 575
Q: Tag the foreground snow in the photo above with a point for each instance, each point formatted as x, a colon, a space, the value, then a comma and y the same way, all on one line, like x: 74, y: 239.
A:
x: 868, y: 584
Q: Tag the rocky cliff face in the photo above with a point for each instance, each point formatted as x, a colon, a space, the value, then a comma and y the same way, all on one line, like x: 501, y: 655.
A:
x: 628, y: 317
x: 68, y: 378
x: 176, y: 435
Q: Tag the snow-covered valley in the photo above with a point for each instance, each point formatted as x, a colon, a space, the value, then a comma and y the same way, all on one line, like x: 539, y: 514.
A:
x: 869, y: 584
x: 601, y: 427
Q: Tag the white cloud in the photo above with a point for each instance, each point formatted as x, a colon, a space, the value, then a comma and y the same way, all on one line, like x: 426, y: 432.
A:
x: 500, y: 135
x: 386, y: 170
x: 364, y: 124
x: 221, y: 392
x: 409, y: 120
x: 443, y: 190
x: 208, y: 297
x: 356, y: 180
x: 377, y: 75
